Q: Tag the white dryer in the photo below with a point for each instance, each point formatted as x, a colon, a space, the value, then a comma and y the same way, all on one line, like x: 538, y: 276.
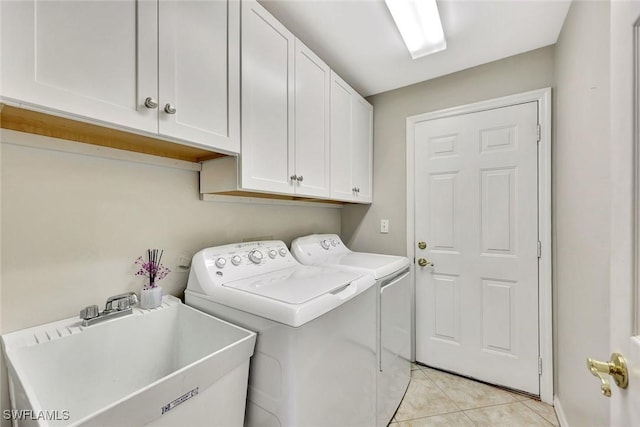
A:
x: 314, y: 363
x: 393, y: 323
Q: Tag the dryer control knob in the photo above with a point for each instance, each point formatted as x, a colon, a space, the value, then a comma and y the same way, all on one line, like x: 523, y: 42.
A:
x: 236, y: 260
x: 221, y: 262
x: 283, y: 252
x: 272, y: 254
x: 255, y: 256
x: 334, y: 242
x: 325, y: 244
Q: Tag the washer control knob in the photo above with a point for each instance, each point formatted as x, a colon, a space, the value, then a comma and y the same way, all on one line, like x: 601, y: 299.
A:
x: 221, y: 262
x: 255, y: 256
x: 325, y: 244
x: 334, y: 242
x: 236, y: 260
x: 272, y: 253
x: 283, y: 252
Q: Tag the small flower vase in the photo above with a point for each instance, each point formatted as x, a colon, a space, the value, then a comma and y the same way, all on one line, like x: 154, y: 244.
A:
x: 151, y: 297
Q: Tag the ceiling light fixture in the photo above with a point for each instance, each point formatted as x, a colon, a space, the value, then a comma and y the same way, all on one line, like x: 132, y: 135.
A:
x: 419, y: 24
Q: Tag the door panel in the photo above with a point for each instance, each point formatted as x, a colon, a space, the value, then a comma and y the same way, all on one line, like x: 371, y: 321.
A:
x: 476, y: 207
x: 341, y: 146
x: 56, y: 61
x: 312, y: 159
x: 196, y: 72
x: 624, y: 318
x: 267, y: 101
x: 362, y: 147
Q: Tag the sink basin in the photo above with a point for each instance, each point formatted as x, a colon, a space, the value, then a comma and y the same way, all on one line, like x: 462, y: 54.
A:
x: 172, y: 365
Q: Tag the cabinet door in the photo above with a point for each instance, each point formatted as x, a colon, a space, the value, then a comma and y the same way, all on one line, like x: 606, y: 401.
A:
x: 362, y: 161
x: 199, y: 72
x: 267, y: 102
x: 341, y: 147
x: 312, y: 77
x: 95, y: 59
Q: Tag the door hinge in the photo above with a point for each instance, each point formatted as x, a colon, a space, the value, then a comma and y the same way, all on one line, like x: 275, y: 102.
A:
x: 538, y: 132
x: 539, y: 365
x: 539, y: 249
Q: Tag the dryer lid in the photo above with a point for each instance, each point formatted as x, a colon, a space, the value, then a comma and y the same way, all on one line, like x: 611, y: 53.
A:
x: 377, y: 264
x: 295, y: 285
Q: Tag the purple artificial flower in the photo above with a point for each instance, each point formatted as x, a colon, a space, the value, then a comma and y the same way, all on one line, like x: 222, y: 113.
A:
x: 152, y: 268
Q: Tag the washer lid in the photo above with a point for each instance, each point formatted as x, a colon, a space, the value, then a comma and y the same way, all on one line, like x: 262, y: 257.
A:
x: 295, y: 285
x: 377, y: 264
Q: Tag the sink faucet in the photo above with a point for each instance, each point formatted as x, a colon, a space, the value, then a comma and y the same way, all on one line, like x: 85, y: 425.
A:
x: 116, y: 306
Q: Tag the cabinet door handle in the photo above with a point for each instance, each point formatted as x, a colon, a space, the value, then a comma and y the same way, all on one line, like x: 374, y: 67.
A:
x: 294, y: 177
x: 150, y: 102
x: 300, y: 178
x: 169, y: 109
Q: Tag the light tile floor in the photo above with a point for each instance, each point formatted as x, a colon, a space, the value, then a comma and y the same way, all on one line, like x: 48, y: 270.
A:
x: 436, y: 398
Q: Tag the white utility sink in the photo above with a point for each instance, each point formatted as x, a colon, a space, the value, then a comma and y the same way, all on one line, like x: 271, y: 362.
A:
x: 169, y: 366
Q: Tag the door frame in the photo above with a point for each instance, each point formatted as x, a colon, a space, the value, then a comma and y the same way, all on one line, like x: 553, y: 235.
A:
x: 545, y: 307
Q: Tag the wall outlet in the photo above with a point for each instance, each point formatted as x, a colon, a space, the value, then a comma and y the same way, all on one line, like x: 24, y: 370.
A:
x: 384, y: 226
x: 184, y: 262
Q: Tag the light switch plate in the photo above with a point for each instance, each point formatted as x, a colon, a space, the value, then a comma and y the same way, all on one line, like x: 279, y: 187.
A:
x: 384, y: 226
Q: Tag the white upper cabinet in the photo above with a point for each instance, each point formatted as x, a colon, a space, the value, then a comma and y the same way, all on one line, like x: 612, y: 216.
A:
x: 362, y: 151
x: 195, y: 38
x: 285, y: 110
x: 121, y: 62
x: 312, y: 111
x: 267, y: 102
x: 351, y: 144
x: 82, y: 58
x: 341, y: 146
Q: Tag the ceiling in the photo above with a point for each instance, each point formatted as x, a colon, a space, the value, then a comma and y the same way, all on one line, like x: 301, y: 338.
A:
x: 359, y: 40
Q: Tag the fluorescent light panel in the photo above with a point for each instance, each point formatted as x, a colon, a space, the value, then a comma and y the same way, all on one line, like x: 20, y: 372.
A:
x: 419, y: 24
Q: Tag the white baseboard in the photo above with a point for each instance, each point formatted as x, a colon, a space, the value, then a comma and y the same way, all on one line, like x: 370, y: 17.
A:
x: 562, y: 419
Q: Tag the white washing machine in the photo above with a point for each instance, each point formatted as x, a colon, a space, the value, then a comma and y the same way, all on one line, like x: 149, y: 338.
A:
x: 314, y: 363
x: 393, y: 323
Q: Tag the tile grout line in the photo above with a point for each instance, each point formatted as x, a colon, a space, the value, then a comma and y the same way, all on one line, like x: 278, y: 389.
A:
x: 430, y: 416
x: 469, y: 418
x: 517, y: 399
x: 508, y: 403
x: 441, y: 389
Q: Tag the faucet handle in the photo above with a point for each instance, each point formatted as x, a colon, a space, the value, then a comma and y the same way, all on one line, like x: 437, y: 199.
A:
x: 122, y: 301
x: 126, y: 302
x: 89, y: 312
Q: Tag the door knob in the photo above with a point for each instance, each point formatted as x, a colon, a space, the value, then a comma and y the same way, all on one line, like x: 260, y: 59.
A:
x: 616, y: 367
x: 422, y: 262
x: 422, y: 245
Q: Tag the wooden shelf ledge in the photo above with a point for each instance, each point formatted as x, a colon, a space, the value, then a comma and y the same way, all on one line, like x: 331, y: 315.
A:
x: 268, y: 199
x: 34, y: 122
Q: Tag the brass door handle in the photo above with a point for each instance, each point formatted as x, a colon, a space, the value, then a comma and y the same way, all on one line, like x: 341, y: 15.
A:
x: 616, y: 367
x: 422, y: 245
x: 425, y: 263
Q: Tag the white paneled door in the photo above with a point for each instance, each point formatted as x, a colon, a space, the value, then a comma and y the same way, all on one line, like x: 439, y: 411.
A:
x: 624, y: 252
x: 476, y: 208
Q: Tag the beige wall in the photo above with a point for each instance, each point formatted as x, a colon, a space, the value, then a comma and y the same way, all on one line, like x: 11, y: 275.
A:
x: 361, y: 224
x: 73, y: 225
x: 581, y: 187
